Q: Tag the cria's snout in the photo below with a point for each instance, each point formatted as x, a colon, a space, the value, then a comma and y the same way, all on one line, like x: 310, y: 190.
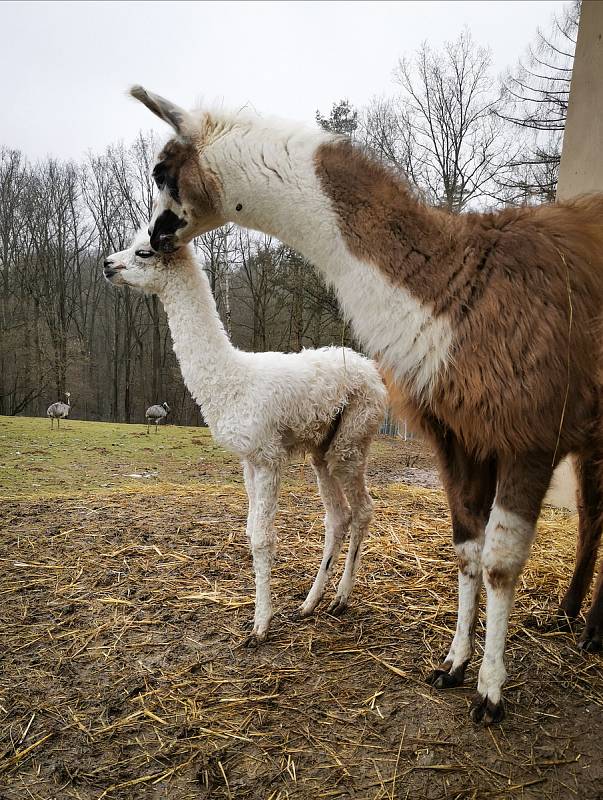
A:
x: 110, y: 268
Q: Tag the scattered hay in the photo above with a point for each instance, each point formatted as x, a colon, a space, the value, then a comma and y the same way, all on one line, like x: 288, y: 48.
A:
x: 123, y: 675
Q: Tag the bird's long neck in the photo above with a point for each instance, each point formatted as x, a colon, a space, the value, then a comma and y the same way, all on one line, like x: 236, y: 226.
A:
x: 387, y: 256
x: 207, y: 358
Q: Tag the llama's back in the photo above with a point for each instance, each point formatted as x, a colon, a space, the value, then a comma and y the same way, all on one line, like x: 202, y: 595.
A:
x: 528, y: 328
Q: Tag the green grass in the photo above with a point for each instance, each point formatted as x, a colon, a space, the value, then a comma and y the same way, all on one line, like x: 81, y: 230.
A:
x: 103, y: 457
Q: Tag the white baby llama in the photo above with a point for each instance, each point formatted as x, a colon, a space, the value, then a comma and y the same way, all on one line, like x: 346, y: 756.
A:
x: 265, y: 407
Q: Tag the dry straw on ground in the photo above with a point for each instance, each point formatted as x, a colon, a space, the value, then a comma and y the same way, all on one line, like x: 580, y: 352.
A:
x: 123, y: 674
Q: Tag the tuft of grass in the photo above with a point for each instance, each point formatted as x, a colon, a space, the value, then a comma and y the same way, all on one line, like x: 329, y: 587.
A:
x: 101, y: 457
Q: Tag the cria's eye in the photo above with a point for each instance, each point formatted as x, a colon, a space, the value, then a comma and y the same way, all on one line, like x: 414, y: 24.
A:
x: 145, y: 253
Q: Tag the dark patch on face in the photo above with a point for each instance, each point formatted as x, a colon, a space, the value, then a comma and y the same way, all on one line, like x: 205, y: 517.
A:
x: 165, y: 179
x: 166, y: 225
x: 166, y: 171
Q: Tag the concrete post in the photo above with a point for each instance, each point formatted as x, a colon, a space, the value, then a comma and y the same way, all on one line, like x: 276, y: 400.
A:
x: 581, y: 168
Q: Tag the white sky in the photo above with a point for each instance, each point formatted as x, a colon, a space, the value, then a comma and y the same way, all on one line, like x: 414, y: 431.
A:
x: 65, y: 66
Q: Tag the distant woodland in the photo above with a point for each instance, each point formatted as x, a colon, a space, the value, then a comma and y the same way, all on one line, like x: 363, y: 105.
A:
x: 464, y: 137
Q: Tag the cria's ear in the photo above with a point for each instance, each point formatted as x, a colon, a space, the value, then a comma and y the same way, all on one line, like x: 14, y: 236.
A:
x: 164, y: 109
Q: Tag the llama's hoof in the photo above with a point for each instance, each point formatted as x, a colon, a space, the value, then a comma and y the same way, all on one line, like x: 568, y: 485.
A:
x: 591, y: 640
x: 445, y: 678
x: 338, y: 607
x: 254, y: 639
x: 484, y: 711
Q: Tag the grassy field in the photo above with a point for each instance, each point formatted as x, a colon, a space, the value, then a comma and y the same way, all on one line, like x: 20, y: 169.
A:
x: 125, y: 601
x: 101, y: 457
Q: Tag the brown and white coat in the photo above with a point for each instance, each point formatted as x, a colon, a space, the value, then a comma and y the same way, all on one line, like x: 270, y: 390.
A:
x: 486, y: 327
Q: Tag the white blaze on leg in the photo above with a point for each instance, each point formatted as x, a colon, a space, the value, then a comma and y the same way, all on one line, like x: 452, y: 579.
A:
x: 263, y: 545
x: 507, y: 545
x: 469, y: 554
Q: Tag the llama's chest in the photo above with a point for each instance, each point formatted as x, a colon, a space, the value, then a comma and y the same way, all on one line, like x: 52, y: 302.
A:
x: 393, y: 325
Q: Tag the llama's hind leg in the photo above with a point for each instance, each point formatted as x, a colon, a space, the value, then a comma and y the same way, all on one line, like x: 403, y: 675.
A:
x: 591, y: 640
x: 590, y: 508
x: 470, y: 488
x: 522, y: 484
x: 337, y: 520
x: 361, y: 505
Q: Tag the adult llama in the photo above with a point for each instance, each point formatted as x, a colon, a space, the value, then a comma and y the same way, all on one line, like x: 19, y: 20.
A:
x: 486, y: 326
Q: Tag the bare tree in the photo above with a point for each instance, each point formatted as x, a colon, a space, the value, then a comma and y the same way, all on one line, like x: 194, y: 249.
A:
x: 536, y: 95
x: 454, y: 142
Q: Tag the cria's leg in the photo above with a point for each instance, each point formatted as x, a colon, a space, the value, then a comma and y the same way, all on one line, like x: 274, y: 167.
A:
x: 263, y: 546
x: 361, y: 507
x: 509, y: 534
x: 249, y: 478
x: 470, y: 486
x: 337, y: 520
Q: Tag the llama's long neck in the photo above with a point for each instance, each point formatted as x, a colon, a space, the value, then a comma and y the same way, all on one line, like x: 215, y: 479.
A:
x: 380, y: 249
x: 207, y: 358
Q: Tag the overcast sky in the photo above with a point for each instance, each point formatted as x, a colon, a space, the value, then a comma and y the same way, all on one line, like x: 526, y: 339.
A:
x: 65, y: 66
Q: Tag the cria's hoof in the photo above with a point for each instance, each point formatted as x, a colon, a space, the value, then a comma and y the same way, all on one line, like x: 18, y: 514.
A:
x: 590, y: 641
x: 337, y: 607
x: 302, y: 613
x: 443, y: 679
x: 485, y: 711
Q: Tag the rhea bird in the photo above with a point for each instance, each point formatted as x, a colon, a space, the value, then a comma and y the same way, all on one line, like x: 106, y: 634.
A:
x: 156, y: 414
x: 59, y: 411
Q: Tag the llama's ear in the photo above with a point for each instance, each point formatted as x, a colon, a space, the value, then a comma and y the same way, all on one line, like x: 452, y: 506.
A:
x: 164, y: 109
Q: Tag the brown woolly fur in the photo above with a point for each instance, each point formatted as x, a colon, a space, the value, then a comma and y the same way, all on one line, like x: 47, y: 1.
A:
x: 502, y: 280
x: 522, y: 290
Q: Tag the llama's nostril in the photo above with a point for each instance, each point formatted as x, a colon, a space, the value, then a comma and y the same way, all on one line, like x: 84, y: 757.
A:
x: 107, y: 264
x: 108, y: 272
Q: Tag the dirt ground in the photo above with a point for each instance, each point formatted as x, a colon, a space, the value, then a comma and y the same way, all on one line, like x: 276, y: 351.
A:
x: 122, y: 673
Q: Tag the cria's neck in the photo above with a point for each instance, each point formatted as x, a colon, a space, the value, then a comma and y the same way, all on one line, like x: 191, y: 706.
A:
x: 208, y: 360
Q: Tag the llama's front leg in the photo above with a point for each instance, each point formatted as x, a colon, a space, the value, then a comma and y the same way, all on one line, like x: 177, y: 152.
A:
x: 452, y: 671
x: 263, y: 546
x: 509, y: 534
x: 470, y: 487
x: 337, y: 520
x: 362, y: 513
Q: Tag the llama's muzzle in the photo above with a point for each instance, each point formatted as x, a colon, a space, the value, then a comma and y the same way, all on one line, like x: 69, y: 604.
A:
x: 163, y: 232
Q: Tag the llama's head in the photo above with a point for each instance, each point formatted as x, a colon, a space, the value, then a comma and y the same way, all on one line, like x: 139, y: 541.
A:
x: 139, y: 266
x: 189, y: 201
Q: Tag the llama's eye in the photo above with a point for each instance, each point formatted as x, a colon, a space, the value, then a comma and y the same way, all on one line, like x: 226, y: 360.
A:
x: 145, y: 253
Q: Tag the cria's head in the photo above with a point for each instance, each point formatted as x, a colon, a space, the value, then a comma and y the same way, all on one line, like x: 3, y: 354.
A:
x: 139, y: 266
x: 189, y: 199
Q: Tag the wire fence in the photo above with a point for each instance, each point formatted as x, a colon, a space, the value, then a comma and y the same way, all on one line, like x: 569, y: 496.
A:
x: 395, y: 427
